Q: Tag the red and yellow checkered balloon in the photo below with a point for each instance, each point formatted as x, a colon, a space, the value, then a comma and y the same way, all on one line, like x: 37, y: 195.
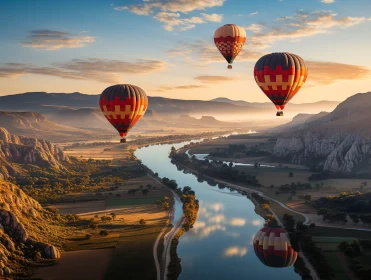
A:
x: 280, y: 76
x: 123, y: 106
x: 229, y: 39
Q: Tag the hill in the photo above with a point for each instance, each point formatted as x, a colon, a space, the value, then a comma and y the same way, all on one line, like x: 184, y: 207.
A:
x: 18, y: 150
x: 27, y: 232
x: 33, y: 124
x: 338, y: 141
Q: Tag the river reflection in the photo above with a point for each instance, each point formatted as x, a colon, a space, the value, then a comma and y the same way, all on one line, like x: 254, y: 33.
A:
x: 220, y: 244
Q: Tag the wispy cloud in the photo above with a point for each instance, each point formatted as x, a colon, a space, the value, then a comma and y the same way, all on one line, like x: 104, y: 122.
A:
x: 326, y: 73
x: 102, y: 70
x: 255, y: 27
x: 237, y: 222
x: 302, y: 24
x: 215, y: 79
x: 171, y: 12
x: 254, y: 13
x: 327, y: 1
x: 55, y: 40
x: 184, y: 87
x: 235, y: 251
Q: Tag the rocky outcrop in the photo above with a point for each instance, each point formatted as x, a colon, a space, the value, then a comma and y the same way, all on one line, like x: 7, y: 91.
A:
x: 25, y: 229
x: 339, y: 141
x: 25, y: 150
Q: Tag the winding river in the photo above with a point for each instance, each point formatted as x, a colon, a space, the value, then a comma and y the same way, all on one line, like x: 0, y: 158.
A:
x: 220, y: 244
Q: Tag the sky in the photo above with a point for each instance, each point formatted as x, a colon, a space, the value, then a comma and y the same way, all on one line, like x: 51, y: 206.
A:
x: 166, y: 46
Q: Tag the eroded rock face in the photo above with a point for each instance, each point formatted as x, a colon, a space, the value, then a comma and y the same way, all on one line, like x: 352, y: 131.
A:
x: 50, y: 252
x: 21, y: 149
x: 333, y: 152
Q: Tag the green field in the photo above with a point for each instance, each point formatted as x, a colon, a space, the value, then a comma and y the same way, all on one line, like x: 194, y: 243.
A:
x: 92, y: 244
x: 330, y: 244
x: 132, y: 258
x: 339, y: 232
x: 134, y: 201
x: 337, y: 265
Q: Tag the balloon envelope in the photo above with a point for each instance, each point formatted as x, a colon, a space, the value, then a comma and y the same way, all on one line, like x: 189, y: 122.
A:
x: 273, y: 248
x: 123, y: 106
x: 280, y: 76
x: 229, y: 39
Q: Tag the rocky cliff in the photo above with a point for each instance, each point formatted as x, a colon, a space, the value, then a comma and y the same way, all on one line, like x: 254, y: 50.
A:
x: 26, y: 231
x: 25, y: 150
x: 339, y: 141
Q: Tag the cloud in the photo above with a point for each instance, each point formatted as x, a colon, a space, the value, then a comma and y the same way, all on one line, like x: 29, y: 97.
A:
x: 216, y: 207
x: 55, y: 40
x: 202, y: 53
x: 254, y: 13
x: 167, y: 88
x: 212, y: 17
x: 102, y: 70
x: 233, y: 234
x: 217, y: 219
x: 169, y: 12
x: 215, y: 79
x: 256, y: 223
x: 237, y: 222
x: 326, y: 73
x: 256, y: 28
x: 207, y: 230
x: 302, y: 24
x: 327, y: 1
x: 235, y: 251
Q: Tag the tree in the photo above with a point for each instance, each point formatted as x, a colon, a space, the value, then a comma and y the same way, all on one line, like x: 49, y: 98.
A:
x: 103, y: 232
x: 322, y: 211
x: 264, y: 206
x: 291, y: 174
x: 142, y: 222
x: 256, y: 164
x: 307, y: 198
x: 145, y: 191
x: 289, y: 198
x: 272, y: 186
x: 156, y: 174
x: 113, y: 216
x: 230, y: 164
x: 88, y: 236
x: 354, y: 218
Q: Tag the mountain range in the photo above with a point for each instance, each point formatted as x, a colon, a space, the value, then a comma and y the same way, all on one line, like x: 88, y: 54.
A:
x: 65, y: 107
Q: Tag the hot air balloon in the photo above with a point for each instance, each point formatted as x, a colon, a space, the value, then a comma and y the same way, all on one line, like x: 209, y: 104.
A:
x: 123, y: 106
x: 273, y: 248
x: 229, y: 39
x: 280, y: 76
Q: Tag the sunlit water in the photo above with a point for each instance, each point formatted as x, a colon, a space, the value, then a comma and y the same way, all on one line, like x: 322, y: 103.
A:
x: 220, y: 244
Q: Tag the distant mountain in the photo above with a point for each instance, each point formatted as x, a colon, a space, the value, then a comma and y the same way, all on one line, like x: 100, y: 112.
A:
x: 321, y: 105
x: 32, y: 124
x: 61, y: 104
x: 338, y: 141
x: 300, y: 121
x: 15, y: 150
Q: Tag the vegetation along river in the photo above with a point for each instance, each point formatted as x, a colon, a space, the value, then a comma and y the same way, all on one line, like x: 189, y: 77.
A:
x: 219, y: 246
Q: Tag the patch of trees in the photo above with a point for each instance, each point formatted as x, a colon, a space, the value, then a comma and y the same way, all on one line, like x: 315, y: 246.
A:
x: 190, y: 211
x: 353, y: 251
x: 48, y: 185
x: 348, y: 202
x: 300, y: 239
x: 215, y: 169
x: 319, y: 176
x: 239, y: 151
x: 294, y: 186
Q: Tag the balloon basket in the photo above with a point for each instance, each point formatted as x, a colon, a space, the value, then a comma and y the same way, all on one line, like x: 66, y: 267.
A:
x: 123, y: 140
x: 279, y: 114
x: 229, y: 67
